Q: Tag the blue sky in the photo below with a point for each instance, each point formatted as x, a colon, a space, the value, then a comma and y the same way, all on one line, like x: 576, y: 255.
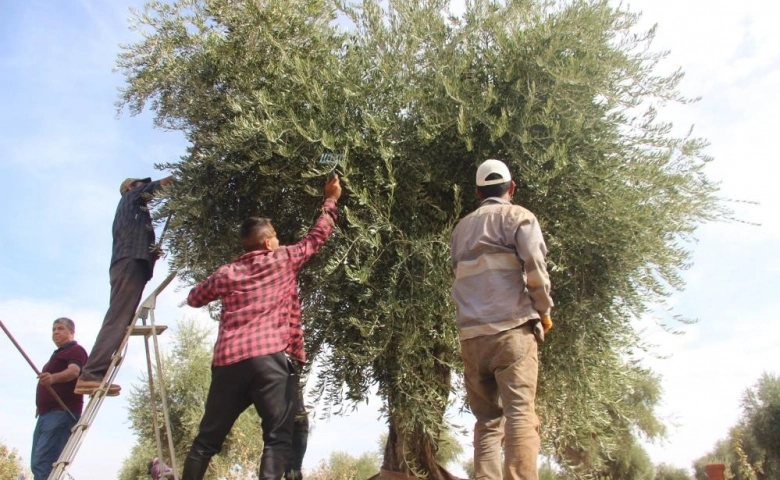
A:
x: 64, y: 151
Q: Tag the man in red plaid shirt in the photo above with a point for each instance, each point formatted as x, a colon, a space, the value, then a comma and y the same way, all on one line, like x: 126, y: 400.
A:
x: 260, y: 326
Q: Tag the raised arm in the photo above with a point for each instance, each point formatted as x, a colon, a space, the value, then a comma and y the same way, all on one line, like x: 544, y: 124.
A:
x: 302, y: 251
x: 165, y: 181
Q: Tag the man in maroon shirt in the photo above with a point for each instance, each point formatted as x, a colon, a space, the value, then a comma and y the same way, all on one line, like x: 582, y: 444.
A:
x: 259, y: 334
x: 60, y: 373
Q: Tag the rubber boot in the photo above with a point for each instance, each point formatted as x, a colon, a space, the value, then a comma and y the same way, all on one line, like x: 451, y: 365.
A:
x: 300, y: 441
x: 272, y: 467
x: 194, y: 468
x: 293, y: 475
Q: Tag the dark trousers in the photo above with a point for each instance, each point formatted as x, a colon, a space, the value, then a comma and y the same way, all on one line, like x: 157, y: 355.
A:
x: 128, y: 279
x: 300, y: 438
x: 269, y: 383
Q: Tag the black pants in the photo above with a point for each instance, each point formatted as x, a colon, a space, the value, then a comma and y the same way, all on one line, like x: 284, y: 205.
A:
x: 300, y: 438
x: 128, y: 279
x: 269, y: 383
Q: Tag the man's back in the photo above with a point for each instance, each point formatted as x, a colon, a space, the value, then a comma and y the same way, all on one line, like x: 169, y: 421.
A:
x: 260, y: 306
x: 259, y: 295
x: 132, y: 228
x: 500, y: 275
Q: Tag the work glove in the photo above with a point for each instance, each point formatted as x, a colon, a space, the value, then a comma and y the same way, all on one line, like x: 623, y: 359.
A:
x: 541, y: 327
x: 547, y: 323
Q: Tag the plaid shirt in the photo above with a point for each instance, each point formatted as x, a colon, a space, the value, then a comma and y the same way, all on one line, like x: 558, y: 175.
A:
x: 132, y: 230
x: 261, y: 313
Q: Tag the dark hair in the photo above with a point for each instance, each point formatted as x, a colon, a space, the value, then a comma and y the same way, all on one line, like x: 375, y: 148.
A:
x: 255, y: 229
x: 497, y: 190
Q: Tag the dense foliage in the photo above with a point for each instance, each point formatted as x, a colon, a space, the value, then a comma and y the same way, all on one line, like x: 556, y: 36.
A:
x: 407, y: 99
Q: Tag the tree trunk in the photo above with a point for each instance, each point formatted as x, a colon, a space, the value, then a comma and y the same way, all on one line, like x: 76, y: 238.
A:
x: 422, y: 453
x: 410, y: 451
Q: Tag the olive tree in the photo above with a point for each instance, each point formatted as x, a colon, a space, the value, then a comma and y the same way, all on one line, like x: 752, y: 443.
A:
x: 403, y: 99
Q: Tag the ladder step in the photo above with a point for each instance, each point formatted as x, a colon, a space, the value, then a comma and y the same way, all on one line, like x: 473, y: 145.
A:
x: 146, y: 330
x: 79, y: 426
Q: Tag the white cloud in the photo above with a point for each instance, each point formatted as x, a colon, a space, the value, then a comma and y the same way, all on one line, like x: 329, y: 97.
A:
x: 731, y: 56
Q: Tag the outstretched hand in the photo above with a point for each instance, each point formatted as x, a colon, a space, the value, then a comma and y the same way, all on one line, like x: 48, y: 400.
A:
x: 333, y: 188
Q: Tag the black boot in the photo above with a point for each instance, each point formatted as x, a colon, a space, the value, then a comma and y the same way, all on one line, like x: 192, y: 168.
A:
x: 272, y: 467
x: 293, y: 475
x: 194, y: 468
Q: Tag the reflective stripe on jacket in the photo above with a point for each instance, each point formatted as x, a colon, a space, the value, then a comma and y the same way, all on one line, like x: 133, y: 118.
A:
x: 501, y: 280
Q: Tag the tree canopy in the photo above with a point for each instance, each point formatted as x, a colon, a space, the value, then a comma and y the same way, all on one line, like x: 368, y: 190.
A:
x: 403, y: 99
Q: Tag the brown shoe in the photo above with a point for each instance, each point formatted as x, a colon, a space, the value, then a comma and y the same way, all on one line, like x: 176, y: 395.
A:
x: 89, y: 387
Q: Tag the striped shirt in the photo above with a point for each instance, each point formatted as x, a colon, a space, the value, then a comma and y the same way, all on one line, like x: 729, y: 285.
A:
x: 132, y: 230
x: 501, y: 280
x: 261, y: 312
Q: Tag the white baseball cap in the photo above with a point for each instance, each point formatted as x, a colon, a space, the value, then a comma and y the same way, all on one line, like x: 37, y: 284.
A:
x: 490, y: 167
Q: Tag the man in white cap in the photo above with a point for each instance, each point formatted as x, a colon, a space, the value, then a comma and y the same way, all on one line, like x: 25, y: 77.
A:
x: 132, y: 263
x: 502, y: 295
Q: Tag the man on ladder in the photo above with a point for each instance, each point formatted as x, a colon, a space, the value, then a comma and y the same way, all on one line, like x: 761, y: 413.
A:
x: 132, y: 263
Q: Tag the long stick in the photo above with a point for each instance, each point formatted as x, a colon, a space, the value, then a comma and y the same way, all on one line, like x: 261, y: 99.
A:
x: 37, y: 372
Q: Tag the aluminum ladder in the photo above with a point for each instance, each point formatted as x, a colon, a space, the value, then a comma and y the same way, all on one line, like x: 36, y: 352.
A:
x: 148, y: 331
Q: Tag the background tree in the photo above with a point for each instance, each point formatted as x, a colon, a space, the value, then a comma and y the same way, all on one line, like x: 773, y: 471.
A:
x: 761, y: 420
x: 342, y: 466
x: 752, y: 449
x: 10, y: 463
x: 408, y: 100
x: 669, y: 472
x: 628, y: 462
x: 547, y: 472
x: 187, y: 377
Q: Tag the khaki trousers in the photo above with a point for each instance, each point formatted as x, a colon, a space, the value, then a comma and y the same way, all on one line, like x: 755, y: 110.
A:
x: 501, y: 372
